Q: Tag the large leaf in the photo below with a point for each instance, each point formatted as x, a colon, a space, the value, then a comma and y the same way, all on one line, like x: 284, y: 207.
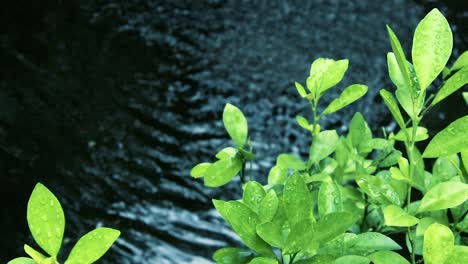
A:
x: 332, y: 225
x: 444, y: 195
x: 348, y: 96
x: 373, y: 241
x: 93, y: 245
x: 243, y: 221
x: 352, y: 259
x: 459, y: 255
x: 222, y: 171
x: 451, y: 140
x: 288, y: 161
x: 395, y: 216
x: 438, y: 243
x: 378, y: 190
x: 268, y: 207
x: 432, y: 46
x: 46, y: 219
x: 253, y: 195
x: 457, y: 81
x: 323, y: 145
x: 393, y: 107
x: 329, y: 198
x: 387, y: 257
x: 235, y: 124
x: 21, y: 261
x: 277, y: 175
x: 360, y: 133
x: 462, y: 61
x: 297, y: 199
x: 326, y: 73
x: 232, y: 256
x: 301, y: 238
x: 263, y: 260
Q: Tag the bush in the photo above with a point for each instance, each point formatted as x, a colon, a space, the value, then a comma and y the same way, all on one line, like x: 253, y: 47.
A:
x: 356, y: 190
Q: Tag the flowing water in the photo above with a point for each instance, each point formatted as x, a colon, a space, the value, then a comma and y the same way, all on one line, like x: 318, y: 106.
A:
x: 110, y: 103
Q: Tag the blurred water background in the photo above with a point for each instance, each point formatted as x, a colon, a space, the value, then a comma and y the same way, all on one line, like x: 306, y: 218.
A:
x: 110, y: 103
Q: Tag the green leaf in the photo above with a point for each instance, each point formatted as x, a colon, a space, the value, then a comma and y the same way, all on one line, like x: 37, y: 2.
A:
x: 273, y: 233
x: 394, y: 71
x: 458, y: 255
x: 423, y: 224
x: 288, y: 161
x: 235, y: 124
x: 268, y: 207
x: 326, y: 73
x: 465, y: 96
x: 373, y: 241
x: 301, y: 238
x: 405, y: 100
x: 36, y: 256
x: 395, y: 216
x: 360, y: 133
x: 400, y: 58
x: 46, y: 219
x: 457, y: 81
x: 263, y: 260
x: 462, y: 61
x: 438, y: 243
x: 444, y: 195
x: 253, y: 195
x: 226, y: 153
x: 243, y: 221
x: 93, y: 245
x: 387, y: 257
x: 277, y: 175
x: 21, y: 261
x: 444, y: 168
x: 247, y: 155
x: 232, y: 255
x: 432, y: 46
x: 199, y: 170
x: 222, y: 171
x: 451, y: 140
x: 297, y: 199
x: 329, y: 198
x: 300, y: 89
x: 378, y: 190
x: 393, y: 107
x: 352, y: 259
x: 332, y: 225
x: 421, y: 134
x: 303, y: 122
x: 349, y: 95
x: 323, y: 145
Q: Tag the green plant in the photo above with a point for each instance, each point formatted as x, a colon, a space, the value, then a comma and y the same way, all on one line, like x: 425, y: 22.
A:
x: 46, y: 221
x: 356, y: 191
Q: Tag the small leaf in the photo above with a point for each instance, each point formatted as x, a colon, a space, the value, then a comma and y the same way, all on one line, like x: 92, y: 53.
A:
x: 451, y: 140
x: 329, y: 198
x: 300, y: 89
x: 232, y: 255
x: 243, y: 221
x: 432, y: 46
x: 457, y: 81
x: 46, y: 219
x: 222, y: 171
x: 323, y: 145
x: 462, y: 61
x: 360, y: 133
x: 36, y: 256
x: 326, y: 73
x: 235, y: 124
x: 277, y: 175
x: 289, y: 161
x: 352, y: 259
x: 465, y: 97
x: 387, y: 257
x: 421, y: 134
x: 303, y: 122
x: 395, y: 216
x: 400, y: 58
x: 373, y: 241
x: 438, y: 243
x: 268, y: 207
x: 253, y: 195
x: 393, y: 107
x: 444, y: 195
x: 394, y: 71
x: 22, y: 261
x: 93, y: 245
x: 226, y: 153
x: 199, y: 170
x: 263, y: 260
x: 349, y: 95
x: 405, y: 100
x: 297, y: 199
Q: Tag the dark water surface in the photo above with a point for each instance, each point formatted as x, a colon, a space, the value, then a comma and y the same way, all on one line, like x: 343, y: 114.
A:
x: 111, y: 103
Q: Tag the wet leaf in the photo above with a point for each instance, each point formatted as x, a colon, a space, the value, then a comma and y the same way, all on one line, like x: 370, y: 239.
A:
x: 323, y: 145
x: 277, y: 175
x: 332, y: 225
x: 373, y: 241
x: 226, y: 153
x: 268, y: 207
x: 288, y: 161
x: 395, y: 216
x: 421, y: 134
x: 253, y: 195
x: 46, y: 219
x: 300, y: 238
x: 232, y: 255
x: 387, y: 257
x: 438, y: 243
x: 444, y: 195
x: 432, y: 46
x: 263, y: 260
x: 222, y: 172
x: 401, y: 59
x: 393, y: 107
x: 93, y: 245
x: 297, y: 199
x: 326, y: 73
x: 451, y: 140
x: 352, y: 259
x: 329, y: 198
x: 457, y: 81
x: 360, y: 133
x: 235, y: 124
x: 349, y: 95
